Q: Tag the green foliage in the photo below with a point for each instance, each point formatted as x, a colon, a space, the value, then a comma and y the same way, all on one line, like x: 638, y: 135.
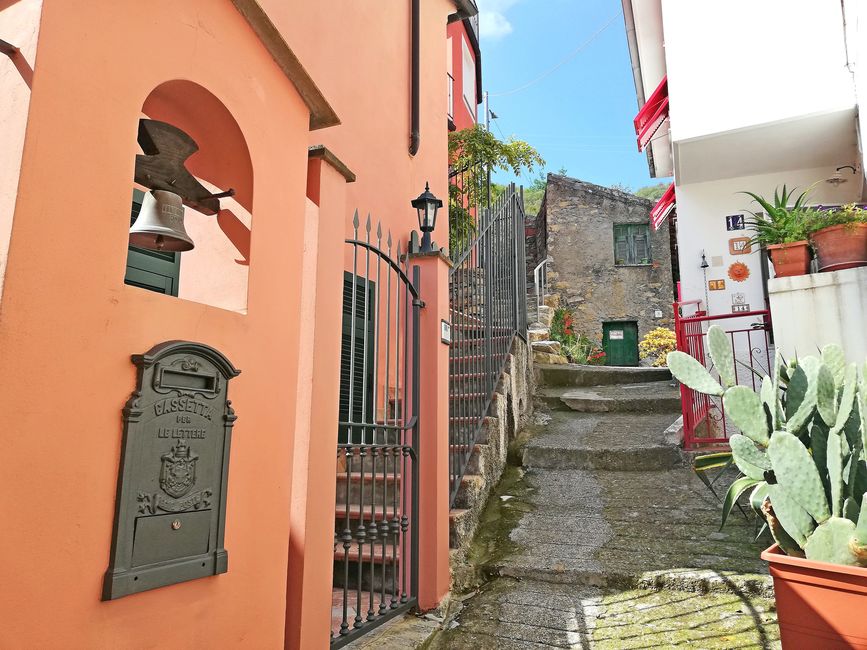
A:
x: 585, y: 352
x: 652, y: 192
x: 779, y: 223
x: 847, y: 215
x: 578, y: 348
x: 809, y: 473
x: 561, y: 326
x: 476, y: 151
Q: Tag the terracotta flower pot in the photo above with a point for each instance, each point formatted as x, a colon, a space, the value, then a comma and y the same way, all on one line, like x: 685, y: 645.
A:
x: 819, y: 605
x: 841, y: 247
x: 790, y: 259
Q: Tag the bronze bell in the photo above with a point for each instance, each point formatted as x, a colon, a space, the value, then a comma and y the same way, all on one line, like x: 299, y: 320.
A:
x: 160, y: 223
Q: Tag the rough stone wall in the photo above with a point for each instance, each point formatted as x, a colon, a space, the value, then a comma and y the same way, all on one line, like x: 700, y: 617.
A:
x: 580, y: 224
x: 510, y: 410
x: 537, y: 241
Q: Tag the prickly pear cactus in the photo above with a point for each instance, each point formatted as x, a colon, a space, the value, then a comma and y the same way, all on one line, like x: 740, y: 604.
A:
x: 802, y: 448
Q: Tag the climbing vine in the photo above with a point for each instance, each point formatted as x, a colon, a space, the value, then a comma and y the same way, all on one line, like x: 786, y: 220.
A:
x: 472, y: 152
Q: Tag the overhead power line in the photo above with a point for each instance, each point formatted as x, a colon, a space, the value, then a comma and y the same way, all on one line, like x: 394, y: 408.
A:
x: 562, y: 62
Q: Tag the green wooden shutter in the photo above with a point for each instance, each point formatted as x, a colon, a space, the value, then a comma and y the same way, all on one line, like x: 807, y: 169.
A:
x: 362, y: 376
x: 152, y: 270
x: 641, y: 244
x: 621, y: 245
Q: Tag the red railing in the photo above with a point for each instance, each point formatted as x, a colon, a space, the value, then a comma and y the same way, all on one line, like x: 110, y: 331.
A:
x: 704, y: 418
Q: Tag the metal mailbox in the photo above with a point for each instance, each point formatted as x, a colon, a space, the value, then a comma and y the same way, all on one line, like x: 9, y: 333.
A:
x: 170, y: 511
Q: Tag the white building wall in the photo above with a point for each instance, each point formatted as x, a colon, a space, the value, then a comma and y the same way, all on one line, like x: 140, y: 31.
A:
x: 740, y: 63
x: 701, y: 225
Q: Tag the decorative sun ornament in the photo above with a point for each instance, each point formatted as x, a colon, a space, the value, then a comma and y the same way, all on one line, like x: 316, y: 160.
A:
x: 739, y: 272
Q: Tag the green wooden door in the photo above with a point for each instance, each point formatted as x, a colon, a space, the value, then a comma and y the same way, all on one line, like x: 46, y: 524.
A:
x: 620, y: 342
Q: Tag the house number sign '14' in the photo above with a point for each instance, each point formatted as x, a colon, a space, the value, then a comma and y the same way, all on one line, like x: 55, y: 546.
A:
x: 170, y: 511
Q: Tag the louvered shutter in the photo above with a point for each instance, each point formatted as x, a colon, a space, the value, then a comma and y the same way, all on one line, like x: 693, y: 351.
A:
x: 641, y: 244
x: 621, y: 245
x: 362, y: 376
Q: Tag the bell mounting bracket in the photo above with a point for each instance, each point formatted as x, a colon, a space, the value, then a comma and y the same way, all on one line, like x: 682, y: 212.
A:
x: 161, y: 167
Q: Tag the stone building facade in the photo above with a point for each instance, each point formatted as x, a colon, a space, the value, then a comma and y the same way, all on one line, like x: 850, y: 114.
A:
x: 608, y: 264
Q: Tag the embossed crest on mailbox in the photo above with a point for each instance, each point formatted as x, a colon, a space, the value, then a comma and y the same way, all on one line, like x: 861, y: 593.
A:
x: 170, y: 512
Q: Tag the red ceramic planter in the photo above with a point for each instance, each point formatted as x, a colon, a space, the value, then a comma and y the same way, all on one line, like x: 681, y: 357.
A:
x: 819, y: 605
x: 790, y: 259
x: 841, y: 247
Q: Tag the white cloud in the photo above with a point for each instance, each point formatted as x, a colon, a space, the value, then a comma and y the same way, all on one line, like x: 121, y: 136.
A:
x: 493, y: 23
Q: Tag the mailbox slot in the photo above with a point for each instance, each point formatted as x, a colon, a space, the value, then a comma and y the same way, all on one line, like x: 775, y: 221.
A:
x: 166, y: 537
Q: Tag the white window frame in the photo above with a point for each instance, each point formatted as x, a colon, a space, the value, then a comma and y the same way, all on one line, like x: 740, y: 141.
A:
x: 469, y: 78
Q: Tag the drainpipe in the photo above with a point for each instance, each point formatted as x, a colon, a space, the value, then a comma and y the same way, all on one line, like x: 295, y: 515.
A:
x: 414, y: 134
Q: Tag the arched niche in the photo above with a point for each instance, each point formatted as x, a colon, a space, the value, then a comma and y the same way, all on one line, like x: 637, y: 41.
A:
x: 216, y: 271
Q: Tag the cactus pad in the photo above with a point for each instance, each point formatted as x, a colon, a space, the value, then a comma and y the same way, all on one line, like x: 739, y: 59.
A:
x: 720, y: 348
x: 692, y: 374
x: 797, y: 522
x: 744, y: 408
x: 751, y: 460
x: 797, y: 474
x: 830, y: 542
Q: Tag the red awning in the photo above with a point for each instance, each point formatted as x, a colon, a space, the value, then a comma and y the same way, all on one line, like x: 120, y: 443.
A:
x: 652, y: 114
x: 663, y: 208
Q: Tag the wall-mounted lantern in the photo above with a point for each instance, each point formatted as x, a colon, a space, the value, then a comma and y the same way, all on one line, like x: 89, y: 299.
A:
x: 427, y: 206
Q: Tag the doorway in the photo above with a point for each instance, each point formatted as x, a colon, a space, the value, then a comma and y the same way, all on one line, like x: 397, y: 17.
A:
x: 620, y: 342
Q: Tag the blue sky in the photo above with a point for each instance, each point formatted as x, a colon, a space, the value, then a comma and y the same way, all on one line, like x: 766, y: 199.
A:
x: 580, y: 115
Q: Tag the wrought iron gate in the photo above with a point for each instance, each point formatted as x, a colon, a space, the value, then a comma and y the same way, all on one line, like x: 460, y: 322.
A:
x: 488, y: 301
x: 375, y: 535
x: 704, y: 418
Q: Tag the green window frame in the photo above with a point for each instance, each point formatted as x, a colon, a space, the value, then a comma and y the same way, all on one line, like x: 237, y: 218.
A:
x: 632, y: 244
x: 152, y: 270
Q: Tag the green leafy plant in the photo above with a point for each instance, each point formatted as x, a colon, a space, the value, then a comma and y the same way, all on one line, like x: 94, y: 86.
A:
x: 561, y: 327
x: 779, y: 223
x: 585, y: 352
x: 845, y: 215
x: 801, y: 450
x: 473, y: 152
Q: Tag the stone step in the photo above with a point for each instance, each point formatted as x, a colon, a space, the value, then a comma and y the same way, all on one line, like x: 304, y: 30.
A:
x: 650, y: 397
x: 629, y: 458
x: 612, y: 441
x: 584, y: 376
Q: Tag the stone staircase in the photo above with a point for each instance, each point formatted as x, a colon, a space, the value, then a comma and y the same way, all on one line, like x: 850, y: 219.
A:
x: 539, y: 333
x: 606, y: 520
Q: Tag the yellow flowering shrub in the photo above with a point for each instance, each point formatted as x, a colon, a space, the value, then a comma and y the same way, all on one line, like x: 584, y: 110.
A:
x: 657, y: 343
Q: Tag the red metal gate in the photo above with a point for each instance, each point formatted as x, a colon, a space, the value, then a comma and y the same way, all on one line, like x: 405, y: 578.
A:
x: 704, y: 418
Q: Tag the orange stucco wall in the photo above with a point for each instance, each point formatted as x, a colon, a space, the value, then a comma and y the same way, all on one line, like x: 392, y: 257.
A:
x: 359, y: 55
x: 69, y: 325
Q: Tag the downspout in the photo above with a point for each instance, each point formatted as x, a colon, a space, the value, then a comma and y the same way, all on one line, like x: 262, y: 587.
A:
x: 414, y: 134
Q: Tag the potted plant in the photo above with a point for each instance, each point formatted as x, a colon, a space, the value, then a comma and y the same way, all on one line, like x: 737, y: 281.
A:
x: 839, y: 236
x: 801, y: 453
x: 782, y: 230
